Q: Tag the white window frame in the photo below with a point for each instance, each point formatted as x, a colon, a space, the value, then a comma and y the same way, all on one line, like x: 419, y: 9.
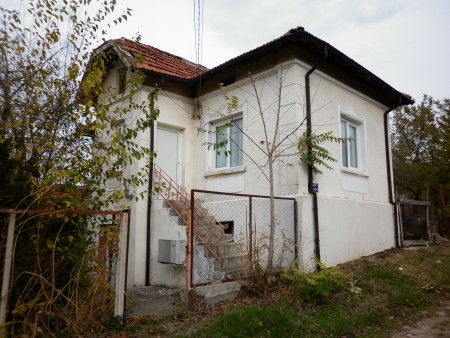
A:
x: 358, y: 125
x: 214, y: 152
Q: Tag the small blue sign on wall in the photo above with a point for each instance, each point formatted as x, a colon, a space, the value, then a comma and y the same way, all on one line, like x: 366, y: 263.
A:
x: 315, y: 187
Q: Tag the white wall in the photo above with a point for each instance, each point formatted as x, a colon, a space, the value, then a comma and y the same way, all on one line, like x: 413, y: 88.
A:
x: 249, y: 178
x: 350, y: 229
x: 165, y: 226
x: 306, y: 232
x: 175, y: 113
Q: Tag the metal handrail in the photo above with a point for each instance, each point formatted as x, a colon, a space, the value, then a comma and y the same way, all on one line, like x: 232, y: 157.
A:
x: 180, y: 202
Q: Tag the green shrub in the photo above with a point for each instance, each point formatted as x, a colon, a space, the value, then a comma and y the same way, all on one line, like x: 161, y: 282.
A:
x: 316, y: 286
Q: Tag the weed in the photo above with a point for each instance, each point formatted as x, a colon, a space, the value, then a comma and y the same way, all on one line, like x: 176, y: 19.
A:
x: 114, y: 323
x: 316, y: 286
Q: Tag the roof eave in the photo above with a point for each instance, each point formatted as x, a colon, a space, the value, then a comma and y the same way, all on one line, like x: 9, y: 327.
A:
x: 299, y: 35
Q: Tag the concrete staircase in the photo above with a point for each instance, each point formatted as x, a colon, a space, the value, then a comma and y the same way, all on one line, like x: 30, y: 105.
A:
x: 216, y: 256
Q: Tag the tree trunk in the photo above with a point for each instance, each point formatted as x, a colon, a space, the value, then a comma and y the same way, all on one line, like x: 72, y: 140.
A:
x: 272, y: 225
x: 441, y: 197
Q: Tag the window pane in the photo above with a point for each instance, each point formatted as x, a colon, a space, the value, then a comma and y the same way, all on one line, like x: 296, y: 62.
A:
x: 344, y: 145
x: 221, y: 135
x: 236, y: 143
x: 353, y: 147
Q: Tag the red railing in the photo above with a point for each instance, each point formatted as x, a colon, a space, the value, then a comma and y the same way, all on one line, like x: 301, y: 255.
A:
x: 207, y: 230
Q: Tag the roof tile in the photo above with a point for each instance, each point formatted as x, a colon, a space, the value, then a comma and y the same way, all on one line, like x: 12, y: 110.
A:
x: 160, y: 62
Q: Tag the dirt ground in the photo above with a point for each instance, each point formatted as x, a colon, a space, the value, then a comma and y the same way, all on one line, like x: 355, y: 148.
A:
x: 436, y: 324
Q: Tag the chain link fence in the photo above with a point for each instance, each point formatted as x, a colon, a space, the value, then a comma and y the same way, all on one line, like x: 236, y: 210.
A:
x: 231, y: 235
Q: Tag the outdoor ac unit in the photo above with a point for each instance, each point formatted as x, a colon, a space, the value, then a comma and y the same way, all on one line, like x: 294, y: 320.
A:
x: 172, y: 251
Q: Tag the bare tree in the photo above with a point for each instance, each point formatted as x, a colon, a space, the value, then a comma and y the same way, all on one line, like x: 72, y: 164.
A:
x: 278, y: 142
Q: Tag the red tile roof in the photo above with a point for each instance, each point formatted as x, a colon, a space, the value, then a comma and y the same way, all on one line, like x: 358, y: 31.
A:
x: 160, y: 62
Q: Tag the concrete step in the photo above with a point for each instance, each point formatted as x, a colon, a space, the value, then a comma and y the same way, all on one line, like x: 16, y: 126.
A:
x: 215, y: 293
x: 232, y: 263
x: 230, y: 249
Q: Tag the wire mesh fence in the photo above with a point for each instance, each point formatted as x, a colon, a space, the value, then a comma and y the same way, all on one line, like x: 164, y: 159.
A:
x: 62, y: 270
x: 415, y: 219
x: 232, y: 234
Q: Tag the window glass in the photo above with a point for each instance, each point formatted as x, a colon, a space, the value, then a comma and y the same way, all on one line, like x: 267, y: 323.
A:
x: 344, y: 144
x: 221, y: 158
x: 349, y: 149
x: 353, y: 146
x: 231, y: 154
x: 236, y: 138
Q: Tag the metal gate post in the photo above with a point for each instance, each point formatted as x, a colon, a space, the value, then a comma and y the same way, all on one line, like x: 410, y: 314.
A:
x: 7, y: 268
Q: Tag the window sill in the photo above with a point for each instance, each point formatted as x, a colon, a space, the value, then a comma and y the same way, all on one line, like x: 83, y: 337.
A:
x: 355, y: 172
x: 225, y: 171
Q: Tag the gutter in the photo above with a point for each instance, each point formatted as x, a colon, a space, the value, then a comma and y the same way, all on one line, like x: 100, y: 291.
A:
x: 309, y: 150
x: 389, y: 172
x: 149, y: 207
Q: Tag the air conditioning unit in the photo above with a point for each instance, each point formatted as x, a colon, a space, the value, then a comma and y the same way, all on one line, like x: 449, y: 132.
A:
x: 172, y: 251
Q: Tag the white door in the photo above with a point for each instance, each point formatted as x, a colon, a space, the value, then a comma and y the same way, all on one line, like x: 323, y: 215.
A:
x: 167, y: 150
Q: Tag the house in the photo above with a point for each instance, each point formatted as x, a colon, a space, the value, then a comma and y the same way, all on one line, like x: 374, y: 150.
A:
x: 342, y: 214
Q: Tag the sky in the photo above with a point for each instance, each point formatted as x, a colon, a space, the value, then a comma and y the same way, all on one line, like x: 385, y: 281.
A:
x: 404, y: 42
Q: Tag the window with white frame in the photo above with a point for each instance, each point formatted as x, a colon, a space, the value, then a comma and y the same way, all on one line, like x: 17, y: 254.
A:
x: 353, y: 150
x: 229, y: 134
x: 349, y: 148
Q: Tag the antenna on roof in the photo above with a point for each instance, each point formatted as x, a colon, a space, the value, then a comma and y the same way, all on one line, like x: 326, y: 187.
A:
x: 198, y: 25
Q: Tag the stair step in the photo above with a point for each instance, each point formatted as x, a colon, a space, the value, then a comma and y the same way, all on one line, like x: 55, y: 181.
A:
x: 221, y: 256
x: 232, y: 256
x: 235, y: 272
x: 230, y: 251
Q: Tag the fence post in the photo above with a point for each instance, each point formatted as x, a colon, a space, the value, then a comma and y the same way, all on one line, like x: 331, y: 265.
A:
x: 7, y: 268
x: 119, y: 308
x: 250, y: 232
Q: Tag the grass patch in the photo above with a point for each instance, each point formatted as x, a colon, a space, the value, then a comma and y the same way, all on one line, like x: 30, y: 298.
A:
x: 369, y: 297
x: 394, y: 288
x: 253, y: 321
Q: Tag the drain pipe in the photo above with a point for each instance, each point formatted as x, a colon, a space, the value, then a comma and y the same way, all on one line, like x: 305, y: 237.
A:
x: 311, y: 190
x: 149, y: 206
x: 389, y: 175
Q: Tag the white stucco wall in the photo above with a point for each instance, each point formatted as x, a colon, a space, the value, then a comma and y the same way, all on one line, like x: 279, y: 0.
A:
x: 249, y: 178
x: 350, y: 229
x: 364, y: 191
x: 165, y: 226
x: 175, y: 114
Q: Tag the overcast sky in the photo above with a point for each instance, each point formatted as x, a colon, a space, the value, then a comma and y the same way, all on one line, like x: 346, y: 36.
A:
x: 404, y: 42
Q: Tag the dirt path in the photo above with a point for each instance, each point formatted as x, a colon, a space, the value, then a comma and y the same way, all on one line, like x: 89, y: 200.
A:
x: 436, y: 325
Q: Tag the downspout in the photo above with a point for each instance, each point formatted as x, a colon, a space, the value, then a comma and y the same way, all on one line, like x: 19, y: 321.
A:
x: 309, y: 151
x: 389, y: 175
x: 149, y: 206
